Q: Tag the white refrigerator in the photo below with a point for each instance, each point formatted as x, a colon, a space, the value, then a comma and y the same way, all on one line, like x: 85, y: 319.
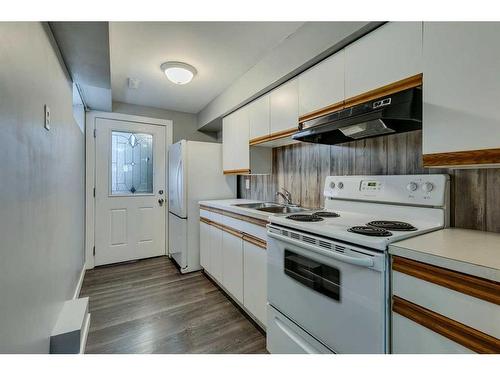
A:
x: 194, y: 174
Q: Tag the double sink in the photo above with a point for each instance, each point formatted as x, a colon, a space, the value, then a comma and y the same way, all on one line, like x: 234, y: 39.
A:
x: 273, y: 208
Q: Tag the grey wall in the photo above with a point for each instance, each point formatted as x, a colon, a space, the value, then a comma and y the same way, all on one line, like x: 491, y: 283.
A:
x: 41, y: 189
x: 185, y: 125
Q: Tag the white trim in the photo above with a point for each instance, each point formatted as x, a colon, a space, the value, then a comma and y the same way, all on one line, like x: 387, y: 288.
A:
x: 90, y: 171
x: 80, y: 283
x: 84, y: 334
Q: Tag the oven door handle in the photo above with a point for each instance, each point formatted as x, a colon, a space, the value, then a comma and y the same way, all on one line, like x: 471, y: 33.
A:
x: 362, y: 262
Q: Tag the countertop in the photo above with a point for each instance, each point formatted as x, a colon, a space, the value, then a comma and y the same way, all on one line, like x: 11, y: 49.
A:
x: 472, y: 252
x: 229, y: 205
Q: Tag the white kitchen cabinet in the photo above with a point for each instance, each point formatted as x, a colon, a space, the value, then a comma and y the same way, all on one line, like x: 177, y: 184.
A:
x: 322, y: 85
x: 255, y: 280
x: 216, y: 236
x: 386, y: 55
x: 237, y: 155
x: 232, y: 265
x: 408, y: 337
x: 284, y: 102
x: 205, y: 246
x: 235, y: 146
x: 461, y: 87
x: 259, y: 117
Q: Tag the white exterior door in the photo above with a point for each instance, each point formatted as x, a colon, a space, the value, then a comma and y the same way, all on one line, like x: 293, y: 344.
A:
x: 130, y: 191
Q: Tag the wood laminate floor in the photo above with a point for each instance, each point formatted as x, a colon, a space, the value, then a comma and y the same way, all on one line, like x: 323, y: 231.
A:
x: 149, y: 307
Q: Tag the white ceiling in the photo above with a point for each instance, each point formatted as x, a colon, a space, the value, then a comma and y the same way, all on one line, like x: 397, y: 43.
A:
x: 220, y: 51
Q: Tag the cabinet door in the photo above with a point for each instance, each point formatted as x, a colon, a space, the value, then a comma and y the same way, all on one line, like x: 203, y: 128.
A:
x: 216, y: 253
x: 461, y: 86
x: 408, y: 337
x: 322, y: 85
x: 232, y: 265
x: 285, y: 107
x: 235, y: 147
x: 205, y: 246
x: 386, y: 55
x: 255, y: 280
x: 258, y: 117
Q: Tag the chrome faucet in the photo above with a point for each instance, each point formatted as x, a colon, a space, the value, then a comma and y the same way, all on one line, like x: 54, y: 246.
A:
x: 286, y: 195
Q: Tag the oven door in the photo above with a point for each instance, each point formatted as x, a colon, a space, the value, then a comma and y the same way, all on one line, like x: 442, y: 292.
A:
x: 337, y: 297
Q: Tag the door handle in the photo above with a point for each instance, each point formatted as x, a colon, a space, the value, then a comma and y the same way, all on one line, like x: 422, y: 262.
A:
x: 161, y: 201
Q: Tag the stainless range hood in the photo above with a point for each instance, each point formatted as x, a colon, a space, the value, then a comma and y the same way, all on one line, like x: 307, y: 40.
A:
x: 396, y: 113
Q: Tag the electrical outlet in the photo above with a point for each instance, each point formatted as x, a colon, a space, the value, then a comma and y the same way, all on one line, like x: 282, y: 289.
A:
x: 247, y: 183
x: 47, y: 117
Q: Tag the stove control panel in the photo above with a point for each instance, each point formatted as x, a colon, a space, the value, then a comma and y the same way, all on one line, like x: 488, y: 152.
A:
x: 422, y: 190
x: 370, y: 185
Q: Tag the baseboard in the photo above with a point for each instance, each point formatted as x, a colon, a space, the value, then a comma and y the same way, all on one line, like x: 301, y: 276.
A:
x: 80, y: 283
x: 85, y: 334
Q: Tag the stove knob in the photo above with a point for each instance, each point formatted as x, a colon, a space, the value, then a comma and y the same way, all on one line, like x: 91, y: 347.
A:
x: 340, y: 185
x: 412, y: 186
x: 427, y: 187
x: 332, y: 185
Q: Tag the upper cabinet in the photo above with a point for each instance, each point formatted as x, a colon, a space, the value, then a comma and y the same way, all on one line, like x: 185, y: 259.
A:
x: 461, y: 118
x: 388, y: 54
x: 285, y: 108
x: 235, y: 146
x: 322, y: 86
x: 259, y: 118
x: 237, y: 155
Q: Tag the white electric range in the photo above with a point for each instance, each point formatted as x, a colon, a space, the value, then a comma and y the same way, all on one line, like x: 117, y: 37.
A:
x: 328, y: 277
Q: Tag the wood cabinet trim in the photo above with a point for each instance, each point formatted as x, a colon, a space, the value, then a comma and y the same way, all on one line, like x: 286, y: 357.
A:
x: 322, y: 111
x: 248, y: 219
x: 462, y: 158
x: 274, y: 136
x: 474, y: 286
x: 255, y: 241
x: 237, y: 171
x: 460, y: 333
x: 237, y: 233
x: 404, y: 84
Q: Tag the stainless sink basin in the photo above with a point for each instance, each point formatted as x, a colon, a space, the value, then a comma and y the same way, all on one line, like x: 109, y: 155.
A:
x: 274, y: 208
x: 258, y: 206
x: 282, y: 209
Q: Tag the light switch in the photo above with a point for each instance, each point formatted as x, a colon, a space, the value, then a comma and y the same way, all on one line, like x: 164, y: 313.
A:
x: 247, y: 183
x: 47, y: 117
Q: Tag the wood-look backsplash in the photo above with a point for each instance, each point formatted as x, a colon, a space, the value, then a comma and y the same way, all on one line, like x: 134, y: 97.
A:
x: 301, y: 168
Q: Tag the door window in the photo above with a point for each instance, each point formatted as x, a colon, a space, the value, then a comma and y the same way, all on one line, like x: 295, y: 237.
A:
x: 131, y: 163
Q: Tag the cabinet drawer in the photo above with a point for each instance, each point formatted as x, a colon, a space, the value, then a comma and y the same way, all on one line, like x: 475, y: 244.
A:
x: 473, y: 312
x: 409, y: 337
x: 205, y: 214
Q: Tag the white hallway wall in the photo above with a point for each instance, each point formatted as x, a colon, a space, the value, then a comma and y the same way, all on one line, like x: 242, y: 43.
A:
x: 41, y: 189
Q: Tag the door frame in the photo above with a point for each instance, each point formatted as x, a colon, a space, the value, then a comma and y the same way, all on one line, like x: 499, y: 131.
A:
x: 90, y: 122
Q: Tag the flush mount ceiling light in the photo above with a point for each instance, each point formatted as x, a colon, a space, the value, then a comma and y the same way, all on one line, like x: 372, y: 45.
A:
x: 178, y: 72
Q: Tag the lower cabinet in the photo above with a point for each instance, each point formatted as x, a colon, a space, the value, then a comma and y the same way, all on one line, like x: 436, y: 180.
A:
x: 205, y: 246
x: 232, y: 264
x: 255, y: 280
x: 442, y: 311
x: 237, y: 261
x: 216, y: 236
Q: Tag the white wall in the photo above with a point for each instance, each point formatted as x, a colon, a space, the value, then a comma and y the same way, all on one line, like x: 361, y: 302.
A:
x: 310, y: 40
x: 185, y: 125
x: 41, y: 189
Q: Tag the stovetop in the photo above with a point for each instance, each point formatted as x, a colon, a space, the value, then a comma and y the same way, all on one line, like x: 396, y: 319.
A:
x: 347, y: 226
